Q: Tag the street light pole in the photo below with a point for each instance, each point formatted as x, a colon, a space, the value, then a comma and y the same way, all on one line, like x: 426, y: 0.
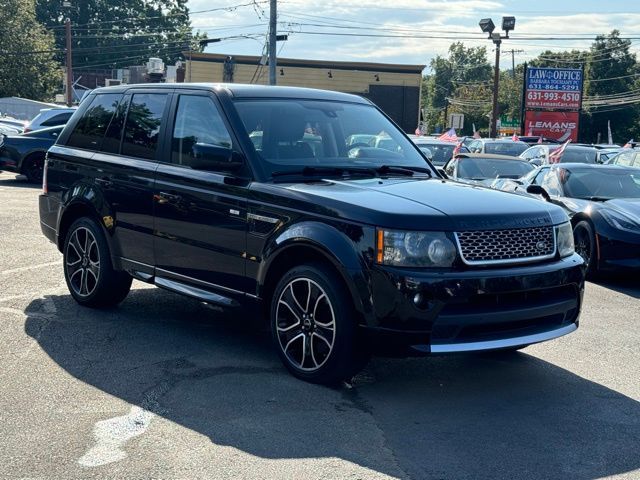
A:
x: 487, y: 26
x: 69, y: 92
x: 496, y: 85
x: 273, y: 16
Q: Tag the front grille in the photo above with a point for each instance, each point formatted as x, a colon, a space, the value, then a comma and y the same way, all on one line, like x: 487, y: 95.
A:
x: 506, y: 246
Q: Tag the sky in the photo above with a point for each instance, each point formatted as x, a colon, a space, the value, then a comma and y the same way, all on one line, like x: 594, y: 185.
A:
x: 429, y: 19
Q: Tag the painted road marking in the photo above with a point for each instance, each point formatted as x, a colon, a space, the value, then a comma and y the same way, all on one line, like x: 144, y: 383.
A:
x: 31, y: 267
x: 113, y: 434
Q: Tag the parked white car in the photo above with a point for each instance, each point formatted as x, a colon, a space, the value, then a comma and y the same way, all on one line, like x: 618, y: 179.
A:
x: 50, y: 117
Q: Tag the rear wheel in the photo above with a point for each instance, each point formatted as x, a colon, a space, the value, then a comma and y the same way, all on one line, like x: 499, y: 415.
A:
x: 585, y: 241
x: 33, y: 168
x: 91, y: 279
x: 313, y: 326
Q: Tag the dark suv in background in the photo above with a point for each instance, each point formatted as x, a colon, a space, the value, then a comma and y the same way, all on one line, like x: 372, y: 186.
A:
x: 239, y: 195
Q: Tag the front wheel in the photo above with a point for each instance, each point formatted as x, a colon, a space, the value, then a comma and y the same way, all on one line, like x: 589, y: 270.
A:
x: 313, y: 326
x: 585, y: 241
x: 90, y: 277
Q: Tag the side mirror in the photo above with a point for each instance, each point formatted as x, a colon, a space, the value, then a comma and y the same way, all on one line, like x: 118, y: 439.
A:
x: 538, y: 190
x: 214, y: 158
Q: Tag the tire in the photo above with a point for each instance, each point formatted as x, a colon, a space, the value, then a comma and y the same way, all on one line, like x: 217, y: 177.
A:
x: 90, y: 277
x: 313, y: 326
x: 33, y: 168
x: 585, y: 241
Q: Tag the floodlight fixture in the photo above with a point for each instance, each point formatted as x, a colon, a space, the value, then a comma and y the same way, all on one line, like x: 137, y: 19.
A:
x: 508, y: 24
x: 487, y: 25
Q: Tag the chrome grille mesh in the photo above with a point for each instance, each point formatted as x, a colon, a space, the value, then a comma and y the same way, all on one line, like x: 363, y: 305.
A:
x: 492, y: 246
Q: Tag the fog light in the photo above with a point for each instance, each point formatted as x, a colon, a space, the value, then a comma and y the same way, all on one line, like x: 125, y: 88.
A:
x: 418, y: 299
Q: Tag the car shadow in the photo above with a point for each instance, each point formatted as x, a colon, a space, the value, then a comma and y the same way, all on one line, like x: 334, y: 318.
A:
x: 481, y: 416
x: 19, y: 181
x: 622, y: 282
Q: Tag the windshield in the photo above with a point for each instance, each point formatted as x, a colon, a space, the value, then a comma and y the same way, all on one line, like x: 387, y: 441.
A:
x: 484, y: 168
x: 292, y: 134
x: 601, y: 183
x: 577, y: 155
x: 441, y: 154
x: 505, y: 148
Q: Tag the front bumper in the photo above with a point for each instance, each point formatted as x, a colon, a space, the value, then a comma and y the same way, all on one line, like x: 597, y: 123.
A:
x: 617, y: 254
x: 471, y: 310
x: 8, y: 164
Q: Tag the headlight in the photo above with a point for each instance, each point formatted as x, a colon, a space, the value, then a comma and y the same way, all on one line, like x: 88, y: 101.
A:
x: 620, y: 221
x: 414, y: 249
x: 564, y: 238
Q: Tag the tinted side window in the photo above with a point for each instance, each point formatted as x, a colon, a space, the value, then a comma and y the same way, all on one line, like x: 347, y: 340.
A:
x: 89, y: 130
x: 59, y: 119
x: 142, y: 127
x: 197, y: 122
x: 551, y: 184
x: 113, y: 136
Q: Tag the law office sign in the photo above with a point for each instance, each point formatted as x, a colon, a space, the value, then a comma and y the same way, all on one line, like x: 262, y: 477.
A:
x: 553, y: 88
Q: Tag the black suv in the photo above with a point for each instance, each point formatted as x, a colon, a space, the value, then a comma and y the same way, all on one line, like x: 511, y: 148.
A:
x: 240, y: 195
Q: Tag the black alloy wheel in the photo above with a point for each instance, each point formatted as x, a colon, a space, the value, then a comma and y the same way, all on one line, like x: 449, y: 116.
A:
x: 585, y: 243
x: 34, y: 168
x: 88, y: 271
x: 313, y: 326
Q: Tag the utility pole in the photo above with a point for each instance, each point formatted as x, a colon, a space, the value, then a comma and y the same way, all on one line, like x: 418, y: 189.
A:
x: 513, y: 60
x: 69, y: 92
x: 273, y: 16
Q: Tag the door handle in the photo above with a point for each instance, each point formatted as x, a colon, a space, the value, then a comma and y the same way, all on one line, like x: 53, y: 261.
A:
x: 105, y: 182
x: 164, y: 197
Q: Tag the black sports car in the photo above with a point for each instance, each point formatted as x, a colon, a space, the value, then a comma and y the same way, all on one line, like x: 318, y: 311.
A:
x: 603, y: 202
x: 25, y: 153
x: 485, y: 169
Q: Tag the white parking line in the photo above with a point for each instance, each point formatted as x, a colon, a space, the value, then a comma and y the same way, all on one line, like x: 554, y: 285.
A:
x: 112, y: 435
x: 30, y: 267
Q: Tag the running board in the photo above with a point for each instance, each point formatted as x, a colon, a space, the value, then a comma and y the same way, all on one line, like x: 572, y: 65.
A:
x: 195, y: 292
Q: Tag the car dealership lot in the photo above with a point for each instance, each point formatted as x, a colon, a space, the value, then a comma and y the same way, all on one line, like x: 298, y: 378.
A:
x: 165, y: 387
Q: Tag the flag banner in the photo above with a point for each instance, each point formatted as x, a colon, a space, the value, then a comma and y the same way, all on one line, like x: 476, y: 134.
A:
x: 556, y: 155
x: 449, y: 136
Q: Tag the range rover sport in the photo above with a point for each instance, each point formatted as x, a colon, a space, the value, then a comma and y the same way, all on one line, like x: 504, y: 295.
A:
x: 244, y: 195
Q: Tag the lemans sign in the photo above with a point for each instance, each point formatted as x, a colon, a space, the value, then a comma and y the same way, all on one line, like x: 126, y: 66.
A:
x: 553, y: 88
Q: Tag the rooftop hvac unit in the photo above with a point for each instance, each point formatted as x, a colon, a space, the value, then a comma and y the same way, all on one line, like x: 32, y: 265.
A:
x: 155, y: 66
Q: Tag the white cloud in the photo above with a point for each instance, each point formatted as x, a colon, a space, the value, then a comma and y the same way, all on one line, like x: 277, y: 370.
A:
x: 438, y: 18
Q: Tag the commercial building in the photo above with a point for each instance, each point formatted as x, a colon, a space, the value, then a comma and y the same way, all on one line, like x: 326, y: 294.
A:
x: 394, y: 88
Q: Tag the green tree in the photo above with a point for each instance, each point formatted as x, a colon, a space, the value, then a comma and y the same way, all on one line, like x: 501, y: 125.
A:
x: 611, y: 71
x: 109, y: 34
x: 27, y: 65
x: 458, y: 84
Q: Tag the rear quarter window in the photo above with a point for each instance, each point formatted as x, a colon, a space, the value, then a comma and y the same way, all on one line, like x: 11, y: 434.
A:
x: 59, y: 119
x: 90, y: 129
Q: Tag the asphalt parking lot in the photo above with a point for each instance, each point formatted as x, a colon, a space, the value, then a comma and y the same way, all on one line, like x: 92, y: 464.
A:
x: 165, y: 387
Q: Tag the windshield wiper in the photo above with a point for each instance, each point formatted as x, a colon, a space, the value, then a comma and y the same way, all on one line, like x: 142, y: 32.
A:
x: 314, y: 171
x: 402, y: 170
x: 596, y: 198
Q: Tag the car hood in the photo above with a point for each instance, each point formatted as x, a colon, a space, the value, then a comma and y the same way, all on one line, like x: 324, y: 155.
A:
x: 421, y: 204
x: 628, y: 206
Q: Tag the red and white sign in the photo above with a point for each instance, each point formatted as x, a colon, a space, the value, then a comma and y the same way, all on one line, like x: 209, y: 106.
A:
x: 558, y: 125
